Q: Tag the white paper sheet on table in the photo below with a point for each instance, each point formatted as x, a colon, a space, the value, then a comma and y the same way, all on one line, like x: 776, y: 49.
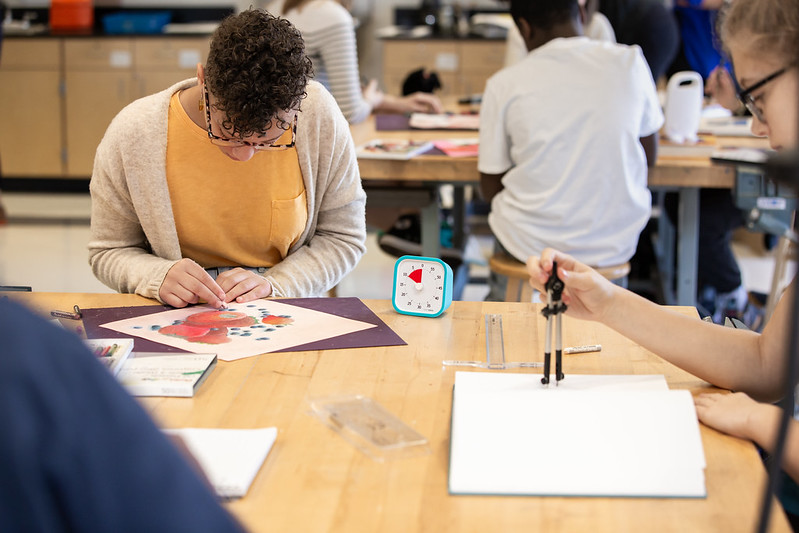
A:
x: 623, y: 436
x: 241, y: 330
x: 230, y: 458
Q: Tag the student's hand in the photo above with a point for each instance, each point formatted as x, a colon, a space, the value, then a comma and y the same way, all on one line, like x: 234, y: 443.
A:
x: 373, y: 95
x: 587, y: 293
x: 243, y: 285
x: 422, y: 103
x: 188, y: 283
x: 728, y: 413
x: 721, y: 87
x: 413, y: 103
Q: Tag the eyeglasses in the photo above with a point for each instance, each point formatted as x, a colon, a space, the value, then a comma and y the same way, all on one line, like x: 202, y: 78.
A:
x: 224, y: 141
x: 746, y: 98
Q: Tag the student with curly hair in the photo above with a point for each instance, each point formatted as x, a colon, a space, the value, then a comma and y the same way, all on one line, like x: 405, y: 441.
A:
x: 239, y: 184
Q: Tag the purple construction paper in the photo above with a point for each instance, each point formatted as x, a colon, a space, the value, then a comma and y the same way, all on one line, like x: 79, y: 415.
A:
x: 93, y: 318
x: 352, y: 308
x: 393, y: 122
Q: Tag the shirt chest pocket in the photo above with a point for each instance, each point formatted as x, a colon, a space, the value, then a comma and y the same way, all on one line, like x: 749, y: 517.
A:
x: 289, y: 218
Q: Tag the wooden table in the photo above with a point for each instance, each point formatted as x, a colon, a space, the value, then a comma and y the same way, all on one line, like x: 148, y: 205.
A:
x: 314, y: 481
x: 684, y: 173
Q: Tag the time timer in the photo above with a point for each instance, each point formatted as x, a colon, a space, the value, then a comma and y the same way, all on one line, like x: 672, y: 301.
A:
x: 422, y: 286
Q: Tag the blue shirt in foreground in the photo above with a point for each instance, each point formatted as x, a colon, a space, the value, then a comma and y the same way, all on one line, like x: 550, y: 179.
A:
x: 78, y: 453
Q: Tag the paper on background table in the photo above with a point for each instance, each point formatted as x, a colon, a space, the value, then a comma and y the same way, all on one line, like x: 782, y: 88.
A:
x: 230, y: 458
x: 444, y: 121
x: 349, y: 307
x: 618, y: 436
x: 306, y: 326
x: 459, y: 147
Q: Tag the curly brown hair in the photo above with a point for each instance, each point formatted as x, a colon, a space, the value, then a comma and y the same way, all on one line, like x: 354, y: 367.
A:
x: 256, y: 68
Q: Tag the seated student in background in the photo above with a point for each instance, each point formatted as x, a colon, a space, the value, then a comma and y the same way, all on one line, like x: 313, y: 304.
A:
x: 597, y: 27
x: 565, y: 136
x: 761, y: 36
x: 79, y: 454
x: 329, y: 33
x: 240, y: 184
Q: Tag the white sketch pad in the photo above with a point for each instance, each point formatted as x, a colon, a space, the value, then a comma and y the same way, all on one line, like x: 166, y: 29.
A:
x: 617, y: 436
x: 307, y: 325
x: 230, y: 458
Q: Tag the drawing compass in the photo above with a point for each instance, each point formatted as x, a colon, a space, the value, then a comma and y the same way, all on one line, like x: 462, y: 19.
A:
x: 554, y: 313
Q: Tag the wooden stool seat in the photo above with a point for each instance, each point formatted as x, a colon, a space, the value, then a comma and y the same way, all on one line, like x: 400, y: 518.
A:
x: 519, y: 288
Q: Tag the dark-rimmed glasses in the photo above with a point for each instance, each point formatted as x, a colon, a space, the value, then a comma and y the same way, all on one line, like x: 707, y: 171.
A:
x: 223, y: 141
x: 746, y: 98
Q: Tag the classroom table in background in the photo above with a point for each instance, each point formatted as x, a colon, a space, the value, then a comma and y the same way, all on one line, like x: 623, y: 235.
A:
x: 685, y: 170
x: 314, y: 480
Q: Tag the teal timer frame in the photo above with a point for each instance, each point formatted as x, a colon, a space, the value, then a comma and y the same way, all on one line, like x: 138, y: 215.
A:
x: 435, y: 300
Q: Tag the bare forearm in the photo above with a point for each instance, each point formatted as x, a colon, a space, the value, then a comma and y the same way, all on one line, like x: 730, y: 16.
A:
x: 490, y: 185
x: 726, y: 357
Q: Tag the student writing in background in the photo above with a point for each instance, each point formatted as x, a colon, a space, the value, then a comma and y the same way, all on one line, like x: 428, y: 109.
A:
x: 239, y: 184
x: 78, y: 453
x: 761, y: 37
x: 565, y: 138
x: 329, y: 34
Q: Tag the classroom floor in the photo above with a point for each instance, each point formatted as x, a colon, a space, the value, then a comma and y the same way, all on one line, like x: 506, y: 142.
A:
x: 44, y: 246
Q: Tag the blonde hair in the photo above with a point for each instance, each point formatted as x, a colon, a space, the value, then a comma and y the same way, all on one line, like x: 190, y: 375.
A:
x: 770, y: 27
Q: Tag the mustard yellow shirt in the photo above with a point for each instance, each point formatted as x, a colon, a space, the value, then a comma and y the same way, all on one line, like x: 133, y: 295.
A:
x: 231, y: 213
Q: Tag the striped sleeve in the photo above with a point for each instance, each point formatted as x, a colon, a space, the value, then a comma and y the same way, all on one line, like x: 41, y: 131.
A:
x: 335, y: 57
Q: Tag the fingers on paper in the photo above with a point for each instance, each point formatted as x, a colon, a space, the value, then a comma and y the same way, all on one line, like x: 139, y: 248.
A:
x: 243, y: 285
x: 188, y: 283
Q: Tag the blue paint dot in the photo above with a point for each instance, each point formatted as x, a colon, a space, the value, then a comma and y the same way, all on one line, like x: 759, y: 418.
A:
x: 136, y: 327
x: 155, y: 327
x: 262, y: 339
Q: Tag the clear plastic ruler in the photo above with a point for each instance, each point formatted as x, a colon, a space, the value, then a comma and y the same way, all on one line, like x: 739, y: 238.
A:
x: 495, y: 344
x: 495, y: 349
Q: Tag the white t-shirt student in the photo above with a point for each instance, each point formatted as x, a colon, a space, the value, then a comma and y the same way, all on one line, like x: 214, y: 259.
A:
x: 564, y: 126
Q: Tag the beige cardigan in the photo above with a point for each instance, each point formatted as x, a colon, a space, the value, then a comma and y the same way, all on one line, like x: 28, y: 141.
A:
x: 133, y: 239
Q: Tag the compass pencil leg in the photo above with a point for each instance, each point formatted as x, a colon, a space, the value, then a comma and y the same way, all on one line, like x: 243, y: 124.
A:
x: 547, y: 351
x: 558, y: 350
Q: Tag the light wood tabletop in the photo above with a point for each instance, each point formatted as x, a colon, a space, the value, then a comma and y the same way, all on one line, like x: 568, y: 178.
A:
x: 315, y: 481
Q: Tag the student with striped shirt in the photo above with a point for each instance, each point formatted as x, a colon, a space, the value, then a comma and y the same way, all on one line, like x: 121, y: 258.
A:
x: 329, y: 33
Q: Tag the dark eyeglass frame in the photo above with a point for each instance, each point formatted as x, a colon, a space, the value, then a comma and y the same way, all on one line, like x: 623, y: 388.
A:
x: 222, y: 141
x: 746, y: 98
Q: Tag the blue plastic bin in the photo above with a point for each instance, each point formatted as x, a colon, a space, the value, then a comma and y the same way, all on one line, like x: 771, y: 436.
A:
x: 136, y: 23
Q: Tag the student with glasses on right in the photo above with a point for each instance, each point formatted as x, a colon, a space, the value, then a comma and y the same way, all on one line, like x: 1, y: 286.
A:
x: 762, y: 38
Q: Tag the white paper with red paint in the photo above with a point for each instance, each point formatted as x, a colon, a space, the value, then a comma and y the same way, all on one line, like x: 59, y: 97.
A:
x: 241, y: 330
